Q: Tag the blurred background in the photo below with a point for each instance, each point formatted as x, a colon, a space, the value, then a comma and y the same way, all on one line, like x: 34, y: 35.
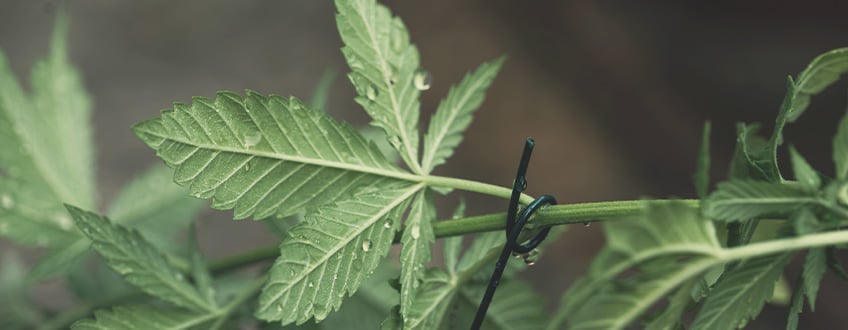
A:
x: 615, y: 93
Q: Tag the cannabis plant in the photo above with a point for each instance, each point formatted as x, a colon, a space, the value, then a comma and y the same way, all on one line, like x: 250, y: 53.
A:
x: 339, y: 203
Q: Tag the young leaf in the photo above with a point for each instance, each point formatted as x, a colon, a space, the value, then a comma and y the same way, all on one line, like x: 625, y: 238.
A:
x: 840, y: 149
x: 263, y: 155
x: 752, y: 159
x: 796, y: 305
x: 814, y: 267
x: 804, y: 173
x: 742, y: 200
x: 432, y: 301
x: 740, y: 294
x: 823, y: 71
x: 155, y: 206
x: 454, y: 114
x: 702, y: 173
x: 667, y: 246
x: 134, y: 317
x: 330, y: 254
x: 140, y: 262
x: 383, y: 65
x: 369, y: 306
x: 45, y: 150
x: 670, y: 317
x: 322, y: 91
x: 417, y: 238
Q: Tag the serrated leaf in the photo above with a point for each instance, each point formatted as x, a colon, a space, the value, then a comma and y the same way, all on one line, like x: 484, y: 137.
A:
x: 45, y: 149
x: 752, y: 158
x: 155, y: 206
x: 804, y: 173
x: 431, y: 303
x: 331, y: 253
x: 139, y: 317
x: 138, y: 261
x: 741, y: 293
x: 415, y: 253
x: 743, y: 199
x: 822, y: 71
x: 263, y: 155
x: 383, y: 65
x: 813, y: 272
x: 368, y: 307
x: 840, y: 149
x: 796, y: 306
x: 834, y: 264
x: 665, y: 247
x: 454, y: 114
x: 702, y: 172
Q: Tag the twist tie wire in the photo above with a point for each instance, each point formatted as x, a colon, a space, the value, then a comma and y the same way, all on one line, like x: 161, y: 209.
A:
x: 514, y: 227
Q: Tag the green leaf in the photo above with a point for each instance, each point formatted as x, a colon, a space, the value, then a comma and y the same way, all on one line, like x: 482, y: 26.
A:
x: 668, y: 245
x: 432, y: 301
x: 322, y: 91
x: 840, y: 149
x: 796, y: 306
x: 743, y: 199
x: 59, y: 261
x: 331, y: 253
x: 199, y: 270
x: 815, y: 264
x: 140, y: 262
x: 454, y: 114
x: 155, y: 206
x: 17, y: 310
x: 752, y: 158
x: 46, y: 152
x: 741, y: 293
x: 264, y: 155
x: 670, y: 317
x: 415, y: 253
x: 144, y: 317
x: 702, y: 173
x: 804, y: 173
x: 823, y: 71
x: 368, y: 307
x: 383, y: 65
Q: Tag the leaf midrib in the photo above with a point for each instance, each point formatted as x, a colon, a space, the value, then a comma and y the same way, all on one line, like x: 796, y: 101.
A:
x: 342, y: 244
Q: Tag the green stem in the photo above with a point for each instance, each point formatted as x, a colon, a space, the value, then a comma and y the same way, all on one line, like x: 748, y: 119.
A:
x: 473, y: 186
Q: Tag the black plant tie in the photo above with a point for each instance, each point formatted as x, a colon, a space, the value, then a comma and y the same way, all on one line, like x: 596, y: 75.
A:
x: 513, y: 230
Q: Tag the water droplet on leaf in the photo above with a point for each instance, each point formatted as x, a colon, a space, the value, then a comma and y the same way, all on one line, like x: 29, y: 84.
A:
x: 415, y: 231
x: 6, y: 201
x: 587, y: 224
x: 279, y: 308
x: 388, y: 224
x: 251, y: 139
x: 310, y: 284
x: 531, y: 258
x: 371, y: 92
x: 366, y: 246
x: 422, y: 80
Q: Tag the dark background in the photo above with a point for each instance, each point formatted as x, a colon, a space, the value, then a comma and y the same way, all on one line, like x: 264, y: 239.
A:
x: 615, y: 93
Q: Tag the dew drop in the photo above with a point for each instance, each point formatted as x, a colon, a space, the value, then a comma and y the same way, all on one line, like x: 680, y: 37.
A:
x: 311, y: 285
x: 63, y: 220
x: 246, y: 167
x: 366, y: 246
x: 416, y: 231
x: 531, y: 258
x: 6, y: 201
x: 279, y: 308
x: 371, y: 92
x: 251, y: 139
x: 179, y: 276
x: 394, y: 141
x: 587, y: 224
x: 388, y: 224
x: 422, y: 80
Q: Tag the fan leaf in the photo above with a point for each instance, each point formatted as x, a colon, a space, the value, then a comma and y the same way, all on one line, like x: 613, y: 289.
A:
x: 332, y: 252
x: 417, y: 238
x: 743, y: 199
x: 138, y: 317
x: 138, y: 261
x: 454, y: 114
x: 264, y: 155
x: 383, y: 65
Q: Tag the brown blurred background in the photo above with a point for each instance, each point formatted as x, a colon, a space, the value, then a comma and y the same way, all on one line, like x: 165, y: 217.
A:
x: 615, y: 93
